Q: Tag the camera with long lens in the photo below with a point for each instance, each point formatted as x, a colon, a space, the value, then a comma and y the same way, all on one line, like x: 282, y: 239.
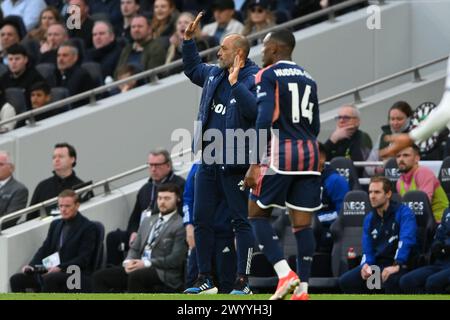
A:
x: 37, y: 269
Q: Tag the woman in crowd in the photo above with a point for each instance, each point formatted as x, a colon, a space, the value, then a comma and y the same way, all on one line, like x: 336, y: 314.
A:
x: 399, y: 122
x: 176, y: 40
x: 48, y: 16
x: 259, y: 17
x: 164, y: 18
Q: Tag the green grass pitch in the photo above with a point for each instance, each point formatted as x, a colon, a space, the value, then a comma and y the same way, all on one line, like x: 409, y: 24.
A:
x: 181, y: 297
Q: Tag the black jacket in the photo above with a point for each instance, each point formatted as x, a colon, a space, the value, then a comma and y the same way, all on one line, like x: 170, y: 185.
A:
x: 50, y: 188
x: 25, y: 80
x: 147, y: 198
x: 77, y: 80
x: 108, y: 56
x: 79, y: 245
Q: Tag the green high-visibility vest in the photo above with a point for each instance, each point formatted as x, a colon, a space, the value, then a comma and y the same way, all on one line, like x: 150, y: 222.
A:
x: 439, y: 202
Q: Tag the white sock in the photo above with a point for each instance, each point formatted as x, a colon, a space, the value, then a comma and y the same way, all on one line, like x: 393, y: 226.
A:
x: 303, y: 287
x: 282, y: 268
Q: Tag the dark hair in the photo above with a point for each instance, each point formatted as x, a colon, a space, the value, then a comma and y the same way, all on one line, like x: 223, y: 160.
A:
x: 17, y: 49
x: 170, y: 187
x: 387, y: 186
x: 70, y: 148
x: 42, y: 86
x: 149, y: 23
x: 284, y: 37
x: 69, y: 193
x: 402, y: 106
x: 416, y: 149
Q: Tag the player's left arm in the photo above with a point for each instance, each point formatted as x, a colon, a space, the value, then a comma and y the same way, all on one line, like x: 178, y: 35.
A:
x: 265, y: 90
x: 245, y: 95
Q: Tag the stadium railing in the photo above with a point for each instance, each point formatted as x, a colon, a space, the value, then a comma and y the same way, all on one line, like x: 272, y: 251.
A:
x: 151, y: 74
x: 105, y: 184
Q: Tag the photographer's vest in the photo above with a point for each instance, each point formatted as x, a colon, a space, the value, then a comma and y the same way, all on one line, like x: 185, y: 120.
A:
x: 439, y: 202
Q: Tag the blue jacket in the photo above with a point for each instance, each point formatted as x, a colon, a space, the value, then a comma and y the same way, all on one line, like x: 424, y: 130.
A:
x: 334, y: 189
x: 442, y: 235
x: 222, y: 222
x: 391, y: 237
x: 241, y: 108
x: 443, y: 230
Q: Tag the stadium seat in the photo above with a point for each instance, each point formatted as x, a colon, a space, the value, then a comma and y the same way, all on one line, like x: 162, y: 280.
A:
x: 391, y: 172
x: 345, y: 168
x: 444, y: 175
x: 99, y: 252
x: 426, y: 224
x: 47, y: 70
x: 59, y: 93
x: 16, y: 97
x: 347, y: 233
x: 95, y: 71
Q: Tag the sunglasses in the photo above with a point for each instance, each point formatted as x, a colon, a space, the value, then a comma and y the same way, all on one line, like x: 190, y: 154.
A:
x: 257, y: 9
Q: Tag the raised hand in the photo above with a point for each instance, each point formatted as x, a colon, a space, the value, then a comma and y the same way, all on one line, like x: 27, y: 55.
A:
x: 190, y: 30
x: 234, y: 70
x: 397, y: 142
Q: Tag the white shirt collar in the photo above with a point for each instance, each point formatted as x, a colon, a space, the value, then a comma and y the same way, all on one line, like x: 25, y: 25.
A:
x: 3, y: 182
x: 167, y: 216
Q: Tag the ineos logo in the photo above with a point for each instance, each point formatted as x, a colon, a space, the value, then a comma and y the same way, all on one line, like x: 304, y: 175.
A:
x: 392, y: 173
x: 345, y: 172
x: 354, y: 208
x: 445, y: 174
x: 415, y: 206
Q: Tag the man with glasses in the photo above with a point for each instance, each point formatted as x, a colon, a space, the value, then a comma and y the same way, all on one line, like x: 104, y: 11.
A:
x: 160, y: 170
x: 347, y: 140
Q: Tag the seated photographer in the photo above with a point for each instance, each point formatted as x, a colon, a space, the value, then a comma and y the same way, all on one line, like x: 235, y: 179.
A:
x: 70, y: 241
x: 434, y: 278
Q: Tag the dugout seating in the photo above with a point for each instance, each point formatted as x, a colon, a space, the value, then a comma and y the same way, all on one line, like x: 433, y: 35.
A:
x: 345, y: 168
x: 16, y: 97
x: 347, y: 233
x: 391, y: 172
x: 418, y: 202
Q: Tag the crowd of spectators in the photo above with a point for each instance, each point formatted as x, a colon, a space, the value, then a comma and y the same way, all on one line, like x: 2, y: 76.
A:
x: 117, y: 35
x: 128, y: 37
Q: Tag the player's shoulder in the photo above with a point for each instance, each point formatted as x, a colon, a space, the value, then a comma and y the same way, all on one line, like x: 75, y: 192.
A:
x: 264, y: 72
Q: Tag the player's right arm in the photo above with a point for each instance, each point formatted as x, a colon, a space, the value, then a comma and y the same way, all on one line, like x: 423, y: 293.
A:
x: 194, y: 68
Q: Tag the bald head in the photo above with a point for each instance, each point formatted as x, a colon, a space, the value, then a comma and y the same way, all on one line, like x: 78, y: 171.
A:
x: 240, y: 42
x: 232, y: 45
